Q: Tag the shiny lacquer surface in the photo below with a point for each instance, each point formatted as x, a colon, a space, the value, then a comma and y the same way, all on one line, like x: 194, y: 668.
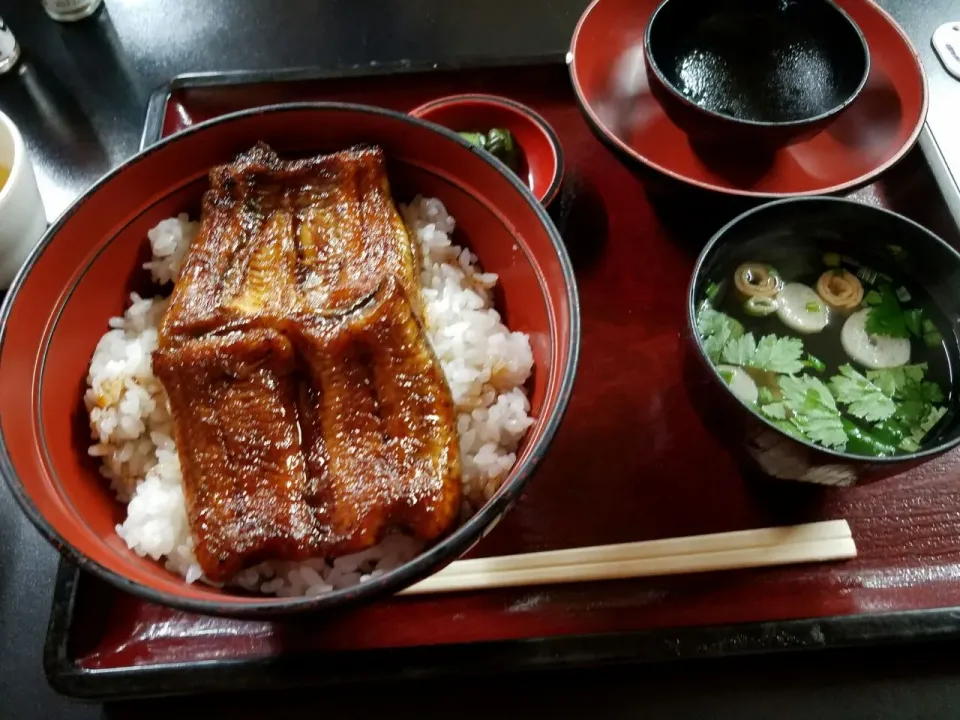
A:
x: 633, y: 459
x: 92, y: 259
x: 872, y: 134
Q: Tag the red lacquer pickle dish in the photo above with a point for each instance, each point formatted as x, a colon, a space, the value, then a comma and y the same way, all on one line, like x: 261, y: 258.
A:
x: 513, y: 132
x: 863, y: 122
x: 758, y: 73
x: 298, y: 378
x: 830, y: 327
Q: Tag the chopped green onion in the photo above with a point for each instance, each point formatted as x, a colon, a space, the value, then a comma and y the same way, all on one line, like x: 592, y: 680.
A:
x: 931, y: 336
x: 912, y: 319
x: 832, y: 259
x: 712, y: 290
x: 760, y: 307
x: 727, y: 376
x: 814, y: 363
x: 909, y: 445
x: 895, y: 249
x: 813, y: 307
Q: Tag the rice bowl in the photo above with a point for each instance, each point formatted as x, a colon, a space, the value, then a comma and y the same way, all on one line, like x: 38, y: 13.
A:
x: 84, y: 270
x: 485, y: 364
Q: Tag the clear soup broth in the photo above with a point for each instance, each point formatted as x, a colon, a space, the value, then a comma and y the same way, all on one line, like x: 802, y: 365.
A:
x: 830, y: 348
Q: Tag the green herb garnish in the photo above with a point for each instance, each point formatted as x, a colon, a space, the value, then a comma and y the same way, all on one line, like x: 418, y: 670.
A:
x: 886, y: 315
x: 916, y: 398
x: 765, y: 395
x: 773, y: 354
x: 913, y: 319
x: 810, y: 406
x: 716, y: 329
x: 931, y: 336
x: 778, y: 354
x: 864, y: 399
x: 885, y: 411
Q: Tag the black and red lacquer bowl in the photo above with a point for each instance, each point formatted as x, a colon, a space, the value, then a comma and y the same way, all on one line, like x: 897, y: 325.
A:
x: 541, y: 156
x: 83, y: 270
x: 757, y: 73
x: 781, y: 233
x: 608, y: 69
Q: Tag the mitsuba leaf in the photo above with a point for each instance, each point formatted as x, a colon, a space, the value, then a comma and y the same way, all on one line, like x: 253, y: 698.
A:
x: 862, y: 398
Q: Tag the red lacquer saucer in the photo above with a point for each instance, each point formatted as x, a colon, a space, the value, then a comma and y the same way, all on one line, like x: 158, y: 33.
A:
x: 608, y: 73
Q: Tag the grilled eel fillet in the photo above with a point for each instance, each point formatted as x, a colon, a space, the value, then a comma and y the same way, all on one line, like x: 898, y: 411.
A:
x: 309, y: 410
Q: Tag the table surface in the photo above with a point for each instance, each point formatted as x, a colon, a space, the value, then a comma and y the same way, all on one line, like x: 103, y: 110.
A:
x: 79, y: 98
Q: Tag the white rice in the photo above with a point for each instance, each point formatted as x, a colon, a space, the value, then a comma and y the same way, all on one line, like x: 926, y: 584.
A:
x: 486, y: 366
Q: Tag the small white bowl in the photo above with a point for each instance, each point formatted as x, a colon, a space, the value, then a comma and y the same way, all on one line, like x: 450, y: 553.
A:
x: 22, y: 217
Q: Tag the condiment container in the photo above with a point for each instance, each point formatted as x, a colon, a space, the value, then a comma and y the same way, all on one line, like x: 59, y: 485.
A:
x: 22, y: 217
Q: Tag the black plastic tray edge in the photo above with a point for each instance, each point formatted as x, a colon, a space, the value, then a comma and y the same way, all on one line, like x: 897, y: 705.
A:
x: 658, y: 645
x: 157, y: 104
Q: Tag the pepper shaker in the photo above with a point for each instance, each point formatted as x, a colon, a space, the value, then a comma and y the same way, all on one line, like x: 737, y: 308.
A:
x: 71, y: 10
x: 9, y: 48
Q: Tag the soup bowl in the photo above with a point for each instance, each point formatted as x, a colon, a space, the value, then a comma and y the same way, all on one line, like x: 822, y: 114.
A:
x: 91, y: 259
x: 798, y: 234
x: 762, y: 72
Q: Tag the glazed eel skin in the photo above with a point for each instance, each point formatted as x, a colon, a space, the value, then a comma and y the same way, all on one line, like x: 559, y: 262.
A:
x: 309, y: 410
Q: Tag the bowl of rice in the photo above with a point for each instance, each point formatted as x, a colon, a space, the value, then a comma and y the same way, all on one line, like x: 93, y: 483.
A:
x: 86, y: 440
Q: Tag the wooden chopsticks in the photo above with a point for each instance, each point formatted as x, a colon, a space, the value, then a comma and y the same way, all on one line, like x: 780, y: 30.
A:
x: 812, y: 542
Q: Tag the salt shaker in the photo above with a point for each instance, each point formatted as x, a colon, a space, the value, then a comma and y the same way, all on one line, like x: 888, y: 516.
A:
x: 9, y: 48
x: 70, y: 10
